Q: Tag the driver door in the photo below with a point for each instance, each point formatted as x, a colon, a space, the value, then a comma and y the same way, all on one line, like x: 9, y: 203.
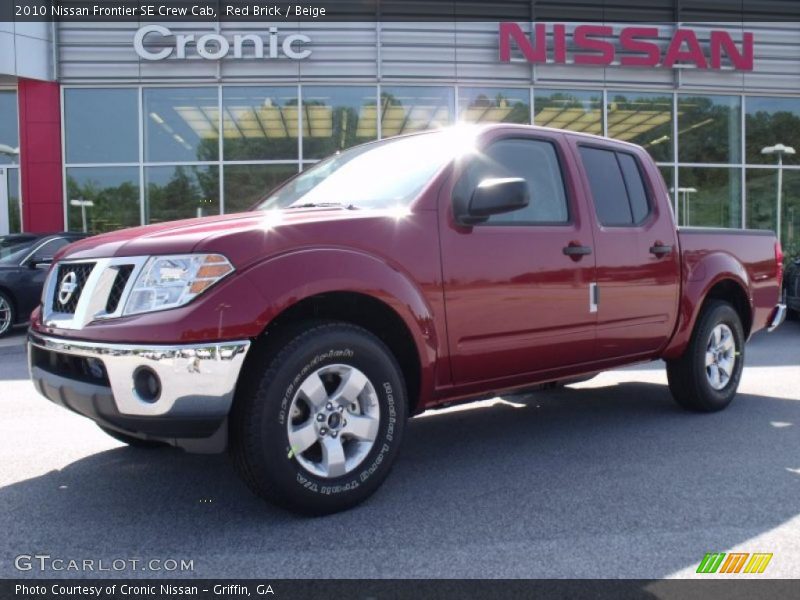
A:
x: 518, y: 300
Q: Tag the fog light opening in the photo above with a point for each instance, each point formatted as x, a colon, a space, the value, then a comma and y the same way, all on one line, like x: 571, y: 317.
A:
x: 146, y: 384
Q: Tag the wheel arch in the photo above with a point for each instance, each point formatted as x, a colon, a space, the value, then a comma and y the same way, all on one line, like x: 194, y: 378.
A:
x: 718, y: 276
x: 354, y: 288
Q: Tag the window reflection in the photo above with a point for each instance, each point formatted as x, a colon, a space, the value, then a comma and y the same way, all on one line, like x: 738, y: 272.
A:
x: 14, y: 205
x: 709, y: 129
x: 102, y: 199
x: 644, y: 119
x: 573, y: 110
x: 260, y: 123
x: 762, y: 204
x: 494, y: 105
x: 9, y: 129
x: 181, y: 192
x: 770, y: 121
x: 407, y: 109
x: 101, y: 125
x: 246, y: 184
x: 709, y: 197
x: 335, y: 118
x: 181, y: 124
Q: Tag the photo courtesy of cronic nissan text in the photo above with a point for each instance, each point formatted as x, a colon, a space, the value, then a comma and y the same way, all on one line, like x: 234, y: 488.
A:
x: 388, y: 299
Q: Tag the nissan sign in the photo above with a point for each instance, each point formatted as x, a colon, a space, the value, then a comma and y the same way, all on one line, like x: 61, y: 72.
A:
x: 599, y: 45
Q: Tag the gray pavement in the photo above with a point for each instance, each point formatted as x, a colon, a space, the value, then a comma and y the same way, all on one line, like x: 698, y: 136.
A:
x: 604, y: 479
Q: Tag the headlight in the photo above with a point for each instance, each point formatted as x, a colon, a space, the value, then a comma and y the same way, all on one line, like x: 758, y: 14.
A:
x: 171, y: 281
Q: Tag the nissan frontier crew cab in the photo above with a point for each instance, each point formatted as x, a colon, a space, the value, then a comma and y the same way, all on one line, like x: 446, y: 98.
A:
x: 391, y: 278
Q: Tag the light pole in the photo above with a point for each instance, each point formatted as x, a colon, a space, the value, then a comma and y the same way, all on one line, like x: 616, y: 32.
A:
x: 84, y: 204
x: 684, y: 200
x: 780, y: 150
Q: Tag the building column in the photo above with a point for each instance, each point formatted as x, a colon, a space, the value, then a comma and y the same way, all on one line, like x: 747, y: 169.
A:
x: 40, y: 155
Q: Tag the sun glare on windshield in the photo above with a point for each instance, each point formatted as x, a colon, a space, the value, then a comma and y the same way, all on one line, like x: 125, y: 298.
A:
x: 385, y: 174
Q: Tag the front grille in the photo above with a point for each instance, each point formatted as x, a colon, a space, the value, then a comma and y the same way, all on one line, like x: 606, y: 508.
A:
x: 115, y: 295
x: 70, y: 281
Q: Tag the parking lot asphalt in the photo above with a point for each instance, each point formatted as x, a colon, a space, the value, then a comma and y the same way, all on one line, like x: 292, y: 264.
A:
x: 607, y: 478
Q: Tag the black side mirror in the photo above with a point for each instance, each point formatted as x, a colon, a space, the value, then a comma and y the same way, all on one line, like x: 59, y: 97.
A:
x: 495, y: 196
x: 41, y: 262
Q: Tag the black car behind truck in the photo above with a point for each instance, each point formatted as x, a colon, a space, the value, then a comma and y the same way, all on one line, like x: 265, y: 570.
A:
x: 24, y: 261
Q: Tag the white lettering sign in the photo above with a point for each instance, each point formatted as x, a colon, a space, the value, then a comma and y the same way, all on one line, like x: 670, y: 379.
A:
x: 156, y: 42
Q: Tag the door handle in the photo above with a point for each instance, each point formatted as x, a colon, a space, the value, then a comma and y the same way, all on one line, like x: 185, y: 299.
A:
x: 660, y: 249
x: 576, y: 250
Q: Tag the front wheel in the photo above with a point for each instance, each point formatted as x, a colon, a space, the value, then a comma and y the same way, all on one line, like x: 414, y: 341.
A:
x: 706, y: 377
x: 317, y: 429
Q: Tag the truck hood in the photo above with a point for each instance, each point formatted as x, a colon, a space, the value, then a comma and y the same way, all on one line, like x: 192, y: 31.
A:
x: 241, y: 237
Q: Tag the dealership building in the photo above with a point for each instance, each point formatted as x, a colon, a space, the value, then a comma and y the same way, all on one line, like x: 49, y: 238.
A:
x: 111, y: 125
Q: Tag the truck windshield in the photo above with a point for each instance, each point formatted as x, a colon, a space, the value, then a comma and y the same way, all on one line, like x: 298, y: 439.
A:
x: 384, y: 174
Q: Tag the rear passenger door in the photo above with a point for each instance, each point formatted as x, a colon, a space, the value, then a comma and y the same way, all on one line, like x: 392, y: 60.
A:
x: 638, y: 263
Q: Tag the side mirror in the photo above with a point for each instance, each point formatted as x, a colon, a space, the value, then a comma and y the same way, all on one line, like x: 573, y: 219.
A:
x: 42, y: 262
x: 495, y: 196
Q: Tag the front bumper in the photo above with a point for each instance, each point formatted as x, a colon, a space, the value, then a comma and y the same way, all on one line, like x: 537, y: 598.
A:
x: 197, y: 381
x: 777, y: 317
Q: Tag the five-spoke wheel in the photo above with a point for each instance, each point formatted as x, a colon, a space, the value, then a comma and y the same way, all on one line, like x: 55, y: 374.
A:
x: 720, y: 356
x: 334, y: 419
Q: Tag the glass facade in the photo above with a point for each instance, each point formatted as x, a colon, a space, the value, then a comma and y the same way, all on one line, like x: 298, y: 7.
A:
x: 9, y: 156
x: 101, y: 126
x: 102, y: 198
x: 576, y: 110
x: 494, y: 105
x: 260, y: 123
x: 644, y: 119
x: 335, y: 118
x: 153, y: 153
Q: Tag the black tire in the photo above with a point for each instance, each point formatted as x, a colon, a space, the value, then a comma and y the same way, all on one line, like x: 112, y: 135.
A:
x: 689, y: 382
x: 8, y: 314
x: 260, y: 418
x: 132, y: 441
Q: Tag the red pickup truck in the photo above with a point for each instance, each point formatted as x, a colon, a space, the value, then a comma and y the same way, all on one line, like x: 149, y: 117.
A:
x: 389, y: 279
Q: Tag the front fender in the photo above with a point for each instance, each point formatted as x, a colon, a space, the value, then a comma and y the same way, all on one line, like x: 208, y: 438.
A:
x: 701, y: 274
x: 289, y: 278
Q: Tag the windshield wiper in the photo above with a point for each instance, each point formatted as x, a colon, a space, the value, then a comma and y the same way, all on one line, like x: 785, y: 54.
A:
x: 322, y: 205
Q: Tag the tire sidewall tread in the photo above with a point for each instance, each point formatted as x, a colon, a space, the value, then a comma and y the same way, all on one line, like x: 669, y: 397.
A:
x: 259, y: 441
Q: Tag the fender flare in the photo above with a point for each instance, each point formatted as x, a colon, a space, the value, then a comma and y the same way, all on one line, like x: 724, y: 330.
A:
x: 698, y: 281
x: 286, y: 279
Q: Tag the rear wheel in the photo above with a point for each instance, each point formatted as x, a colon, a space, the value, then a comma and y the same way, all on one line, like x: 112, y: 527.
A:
x: 706, y: 377
x: 7, y: 315
x: 317, y: 429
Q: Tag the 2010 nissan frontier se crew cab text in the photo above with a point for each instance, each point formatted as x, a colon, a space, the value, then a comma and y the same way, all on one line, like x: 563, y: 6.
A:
x: 388, y: 279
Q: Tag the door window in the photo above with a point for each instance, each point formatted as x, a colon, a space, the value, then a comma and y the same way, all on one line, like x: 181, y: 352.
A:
x: 537, y: 162
x: 620, y: 197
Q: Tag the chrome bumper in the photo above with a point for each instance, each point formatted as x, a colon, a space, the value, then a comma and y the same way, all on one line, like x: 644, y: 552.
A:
x: 197, y: 380
x: 778, y: 316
